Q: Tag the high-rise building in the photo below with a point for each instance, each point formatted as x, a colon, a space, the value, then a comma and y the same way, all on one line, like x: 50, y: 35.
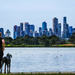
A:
x: 40, y: 31
x: 21, y: 29
x: 66, y: 31
x: 65, y: 28
x: 45, y: 32
x: 70, y: 30
x: 64, y: 20
x: 7, y: 34
x: 59, y: 30
x: 50, y: 32
x: 18, y: 31
x: 15, y: 32
x: 32, y: 29
x: 27, y: 28
x: 73, y: 30
x: 44, y: 26
x: 2, y: 31
x: 55, y: 26
x: 35, y: 34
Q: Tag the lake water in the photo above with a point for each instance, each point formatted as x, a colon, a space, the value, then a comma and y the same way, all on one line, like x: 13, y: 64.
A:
x: 41, y: 59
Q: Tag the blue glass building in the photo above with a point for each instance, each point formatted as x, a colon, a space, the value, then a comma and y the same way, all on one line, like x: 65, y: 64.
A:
x: 70, y: 30
x: 66, y: 31
x: 7, y: 34
x: 18, y: 31
x: 27, y: 28
x: 44, y: 26
x: 50, y: 32
x: 73, y: 30
x: 55, y: 26
x: 45, y: 32
x: 35, y: 34
x: 64, y: 20
x: 2, y: 31
x: 21, y: 29
x: 32, y: 28
x: 40, y: 31
x: 65, y: 28
x: 15, y: 32
x: 59, y: 30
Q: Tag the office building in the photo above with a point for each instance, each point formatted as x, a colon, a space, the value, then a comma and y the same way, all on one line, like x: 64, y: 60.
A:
x: 7, y: 34
x: 40, y: 31
x: 55, y: 26
x: 32, y: 28
x: 59, y: 30
x: 18, y: 31
x: 15, y: 32
x: 35, y: 34
x: 73, y: 30
x: 2, y: 31
x: 70, y: 30
x: 21, y: 29
x: 27, y: 28
x: 44, y: 26
x: 50, y: 32
x: 64, y: 20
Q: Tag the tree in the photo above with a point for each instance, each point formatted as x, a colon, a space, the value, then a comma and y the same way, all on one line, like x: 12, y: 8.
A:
x: 72, y: 39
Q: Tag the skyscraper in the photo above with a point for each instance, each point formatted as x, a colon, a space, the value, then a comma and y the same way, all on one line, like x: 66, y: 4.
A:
x: 70, y: 30
x: 40, y: 31
x: 2, y: 31
x: 59, y: 30
x: 32, y: 29
x: 18, y: 31
x: 44, y: 26
x: 55, y: 26
x: 21, y: 29
x: 65, y: 28
x: 64, y: 20
x: 15, y: 32
x: 7, y: 34
x: 27, y: 28
x: 50, y: 32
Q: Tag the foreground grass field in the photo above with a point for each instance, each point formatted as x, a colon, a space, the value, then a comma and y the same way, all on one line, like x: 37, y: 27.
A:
x: 39, y: 74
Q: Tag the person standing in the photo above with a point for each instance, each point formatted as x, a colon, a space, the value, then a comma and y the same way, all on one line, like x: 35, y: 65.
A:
x: 2, y: 46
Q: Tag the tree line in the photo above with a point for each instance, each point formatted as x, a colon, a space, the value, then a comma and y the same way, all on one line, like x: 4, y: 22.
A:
x: 43, y: 40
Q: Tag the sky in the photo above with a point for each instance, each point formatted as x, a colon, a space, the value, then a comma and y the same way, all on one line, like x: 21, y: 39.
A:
x: 13, y: 12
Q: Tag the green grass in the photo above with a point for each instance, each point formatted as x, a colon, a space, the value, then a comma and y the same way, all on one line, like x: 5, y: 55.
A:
x: 40, y: 74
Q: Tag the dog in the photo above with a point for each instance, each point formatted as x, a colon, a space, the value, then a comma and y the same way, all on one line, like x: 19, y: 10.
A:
x: 7, y: 61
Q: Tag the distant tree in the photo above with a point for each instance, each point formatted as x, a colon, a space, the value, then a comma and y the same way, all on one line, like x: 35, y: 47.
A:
x: 8, y: 40
x: 72, y: 39
x: 46, y: 42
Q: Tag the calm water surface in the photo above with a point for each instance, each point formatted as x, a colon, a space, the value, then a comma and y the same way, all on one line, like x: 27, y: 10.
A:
x: 41, y: 59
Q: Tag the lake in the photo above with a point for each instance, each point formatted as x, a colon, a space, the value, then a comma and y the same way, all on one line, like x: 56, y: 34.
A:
x: 41, y: 59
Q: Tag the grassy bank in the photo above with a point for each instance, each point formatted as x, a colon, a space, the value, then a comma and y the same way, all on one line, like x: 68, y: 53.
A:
x: 40, y: 74
x: 59, y: 45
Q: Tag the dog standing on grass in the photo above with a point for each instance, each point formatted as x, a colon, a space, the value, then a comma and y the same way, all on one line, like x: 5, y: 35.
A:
x: 7, y: 61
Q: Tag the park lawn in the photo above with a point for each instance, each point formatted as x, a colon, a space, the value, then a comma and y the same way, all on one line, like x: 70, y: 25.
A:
x: 39, y: 74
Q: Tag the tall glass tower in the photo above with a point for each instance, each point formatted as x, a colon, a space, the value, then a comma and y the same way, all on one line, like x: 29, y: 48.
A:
x: 55, y: 26
x: 64, y: 20
x: 21, y: 29
x: 15, y: 32
x: 65, y: 28
x: 27, y: 28
x: 59, y: 30
x: 44, y: 26
x: 2, y: 31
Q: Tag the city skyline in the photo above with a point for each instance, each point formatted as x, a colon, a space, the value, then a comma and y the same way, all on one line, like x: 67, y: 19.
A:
x: 35, y: 12
x: 29, y: 29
